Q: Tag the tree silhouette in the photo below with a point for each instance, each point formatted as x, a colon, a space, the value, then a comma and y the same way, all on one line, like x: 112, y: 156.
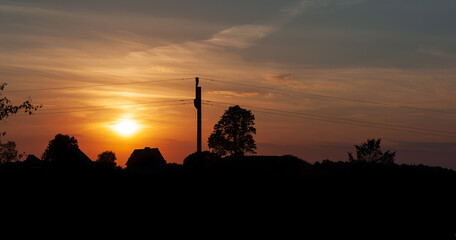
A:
x: 63, y: 151
x: 8, y: 152
x: 233, y: 133
x: 6, y: 108
x: 370, y: 152
x: 107, y: 159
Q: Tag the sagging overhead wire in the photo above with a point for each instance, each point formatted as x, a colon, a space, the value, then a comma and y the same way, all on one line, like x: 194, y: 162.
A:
x: 108, y: 107
x: 95, y: 85
x: 333, y: 98
x: 340, y: 120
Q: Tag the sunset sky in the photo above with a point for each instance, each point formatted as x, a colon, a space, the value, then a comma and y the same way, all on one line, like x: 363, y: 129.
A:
x: 319, y: 76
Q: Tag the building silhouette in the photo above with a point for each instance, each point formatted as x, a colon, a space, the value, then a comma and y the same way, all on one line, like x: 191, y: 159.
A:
x: 83, y: 158
x: 33, y: 162
x: 146, y: 161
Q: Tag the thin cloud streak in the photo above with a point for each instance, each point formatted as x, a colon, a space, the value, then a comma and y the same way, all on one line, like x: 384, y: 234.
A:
x: 235, y: 93
x: 245, y: 36
x: 28, y: 10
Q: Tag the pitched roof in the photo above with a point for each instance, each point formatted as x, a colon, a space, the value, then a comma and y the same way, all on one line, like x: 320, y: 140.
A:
x: 83, y: 157
x: 31, y: 159
x: 146, y: 156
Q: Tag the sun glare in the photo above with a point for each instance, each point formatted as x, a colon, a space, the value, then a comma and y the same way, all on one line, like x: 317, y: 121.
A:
x: 126, y: 127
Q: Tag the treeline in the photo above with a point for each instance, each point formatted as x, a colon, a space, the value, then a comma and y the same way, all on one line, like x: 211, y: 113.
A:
x: 206, y: 164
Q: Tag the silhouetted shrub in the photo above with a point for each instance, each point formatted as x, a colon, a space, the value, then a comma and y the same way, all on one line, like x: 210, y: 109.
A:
x: 9, y: 152
x: 106, y: 159
x: 370, y: 152
x: 200, y: 162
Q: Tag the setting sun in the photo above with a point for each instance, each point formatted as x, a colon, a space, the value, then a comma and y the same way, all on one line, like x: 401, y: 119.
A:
x: 126, y: 127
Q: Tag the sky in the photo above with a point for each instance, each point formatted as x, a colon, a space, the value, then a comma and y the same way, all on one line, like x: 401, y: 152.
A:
x: 319, y: 75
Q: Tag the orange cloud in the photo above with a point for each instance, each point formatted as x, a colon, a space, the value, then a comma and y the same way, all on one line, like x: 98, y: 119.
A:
x: 236, y: 93
x: 281, y: 78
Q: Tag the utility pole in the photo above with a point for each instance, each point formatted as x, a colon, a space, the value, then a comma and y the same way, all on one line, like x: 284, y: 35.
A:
x: 197, y: 103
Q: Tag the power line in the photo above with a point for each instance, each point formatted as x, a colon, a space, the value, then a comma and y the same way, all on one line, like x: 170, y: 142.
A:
x: 344, y: 120
x: 110, y: 106
x: 265, y: 110
x: 95, y: 85
x: 350, y: 123
x: 334, y: 98
x: 105, y: 108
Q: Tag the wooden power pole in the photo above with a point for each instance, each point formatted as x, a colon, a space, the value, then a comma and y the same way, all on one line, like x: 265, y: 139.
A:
x: 197, y: 103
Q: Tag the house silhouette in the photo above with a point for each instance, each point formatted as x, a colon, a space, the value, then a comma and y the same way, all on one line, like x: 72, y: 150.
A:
x: 146, y: 161
x: 83, y: 158
x: 32, y: 161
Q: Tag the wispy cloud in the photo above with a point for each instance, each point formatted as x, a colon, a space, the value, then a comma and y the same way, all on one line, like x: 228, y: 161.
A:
x: 244, y: 36
x: 241, y: 36
x: 235, y: 93
x: 281, y: 78
x: 28, y: 10
x: 247, y: 35
x: 436, y: 52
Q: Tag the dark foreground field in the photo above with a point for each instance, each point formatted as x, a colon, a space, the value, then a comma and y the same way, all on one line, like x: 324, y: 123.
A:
x: 261, y: 196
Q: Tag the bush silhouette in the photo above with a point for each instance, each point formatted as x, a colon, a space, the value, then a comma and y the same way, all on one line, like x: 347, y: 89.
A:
x: 106, y: 159
x: 370, y: 152
x: 199, y: 162
x: 9, y: 152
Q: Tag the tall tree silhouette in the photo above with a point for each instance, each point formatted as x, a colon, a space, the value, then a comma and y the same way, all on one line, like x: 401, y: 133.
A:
x: 233, y: 133
x: 370, y: 152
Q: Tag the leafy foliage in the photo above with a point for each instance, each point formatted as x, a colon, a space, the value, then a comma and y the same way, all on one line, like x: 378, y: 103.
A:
x: 233, y: 133
x: 62, y: 149
x: 200, y: 161
x: 8, y: 152
x: 6, y: 108
x: 107, y: 159
x: 370, y: 152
